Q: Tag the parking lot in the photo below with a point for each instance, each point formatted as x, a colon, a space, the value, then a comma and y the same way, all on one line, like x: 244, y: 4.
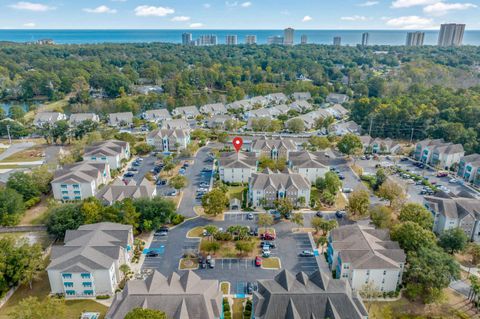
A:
x: 239, y: 217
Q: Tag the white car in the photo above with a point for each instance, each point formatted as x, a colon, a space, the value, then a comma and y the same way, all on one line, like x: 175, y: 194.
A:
x: 453, y: 181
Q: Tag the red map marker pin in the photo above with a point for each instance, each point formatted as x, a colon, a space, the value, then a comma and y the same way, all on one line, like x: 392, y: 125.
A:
x: 237, y: 143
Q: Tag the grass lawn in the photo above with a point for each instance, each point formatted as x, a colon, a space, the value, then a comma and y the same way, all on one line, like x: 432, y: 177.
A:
x: 452, y: 306
x: 32, y: 154
x: 340, y: 202
x: 235, y: 192
x: 225, y: 287
x: 227, y: 249
x: 57, y: 106
x: 271, y: 262
x: 41, y: 288
x: 237, y: 309
x: 195, y: 232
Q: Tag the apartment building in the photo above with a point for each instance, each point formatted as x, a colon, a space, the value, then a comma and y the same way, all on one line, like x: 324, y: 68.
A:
x: 273, y: 148
x: 168, y: 140
x: 78, y: 118
x: 157, y: 116
x: 469, y: 169
x: 438, y: 153
x: 311, y: 165
x: 48, y: 118
x: 111, y: 152
x: 237, y: 167
x: 123, y: 119
x: 187, y: 112
x: 119, y: 190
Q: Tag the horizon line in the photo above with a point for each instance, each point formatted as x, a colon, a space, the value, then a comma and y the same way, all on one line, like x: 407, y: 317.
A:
x: 208, y: 29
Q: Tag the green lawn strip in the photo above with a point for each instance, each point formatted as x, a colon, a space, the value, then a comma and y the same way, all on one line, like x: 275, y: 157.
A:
x: 235, y: 192
x: 225, y: 287
x: 195, y: 232
x: 271, y: 263
x: 237, y: 308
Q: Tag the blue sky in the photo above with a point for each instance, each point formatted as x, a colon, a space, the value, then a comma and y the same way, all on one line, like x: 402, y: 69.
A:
x: 241, y: 14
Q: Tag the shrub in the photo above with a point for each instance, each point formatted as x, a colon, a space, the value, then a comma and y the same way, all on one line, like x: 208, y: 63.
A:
x: 178, y: 219
x: 101, y: 297
x: 223, y: 236
x: 32, y: 202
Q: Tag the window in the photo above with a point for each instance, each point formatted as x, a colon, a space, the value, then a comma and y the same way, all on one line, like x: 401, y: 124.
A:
x: 88, y: 292
x: 64, y: 192
x: 384, y: 272
x: 78, y: 197
x: 76, y: 186
x: 368, y: 272
x: 104, y: 158
x: 68, y: 284
x: 63, y: 186
x: 76, y: 192
x: 66, y: 197
x: 67, y: 276
x: 87, y: 284
x: 85, y: 276
x: 70, y: 292
x: 94, y: 158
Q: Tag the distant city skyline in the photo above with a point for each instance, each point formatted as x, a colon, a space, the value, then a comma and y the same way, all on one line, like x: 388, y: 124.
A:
x: 242, y: 14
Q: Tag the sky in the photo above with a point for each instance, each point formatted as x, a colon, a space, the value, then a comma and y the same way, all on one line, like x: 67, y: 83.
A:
x: 241, y: 14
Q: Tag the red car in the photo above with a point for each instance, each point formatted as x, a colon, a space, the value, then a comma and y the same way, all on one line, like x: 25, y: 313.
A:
x: 258, y: 261
x: 267, y: 236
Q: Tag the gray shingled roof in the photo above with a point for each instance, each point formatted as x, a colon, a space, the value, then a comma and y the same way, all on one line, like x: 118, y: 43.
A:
x: 80, y: 117
x: 454, y: 207
x: 305, y: 159
x: 237, y: 160
x: 116, y: 118
x: 118, y: 191
x: 161, y: 133
x: 365, y: 247
x: 185, y: 296
x: 108, y: 148
x: 159, y: 113
x: 79, y: 172
x: 90, y: 247
x: 279, y: 180
x: 176, y: 124
x: 304, y: 297
x: 270, y: 144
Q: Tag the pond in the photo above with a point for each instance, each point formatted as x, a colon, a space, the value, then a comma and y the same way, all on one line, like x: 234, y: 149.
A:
x: 7, y: 105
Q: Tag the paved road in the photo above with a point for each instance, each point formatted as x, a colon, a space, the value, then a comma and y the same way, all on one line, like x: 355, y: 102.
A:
x: 195, y: 177
x: 15, y: 148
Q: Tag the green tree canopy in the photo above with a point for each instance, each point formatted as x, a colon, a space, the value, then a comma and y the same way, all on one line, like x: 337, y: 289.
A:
x: 140, y: 313
x: 453, y: 240
x: 416, y: 213
x: 412, y: 236
x: 349, y: 144
x: 214, y: 202
x: 11, y: 207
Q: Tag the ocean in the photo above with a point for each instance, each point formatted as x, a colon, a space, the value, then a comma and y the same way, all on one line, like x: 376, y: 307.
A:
x: 349, y: 37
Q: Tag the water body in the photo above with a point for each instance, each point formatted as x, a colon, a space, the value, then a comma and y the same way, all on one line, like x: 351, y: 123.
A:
x: 6, y: 106
x: 349, y: 37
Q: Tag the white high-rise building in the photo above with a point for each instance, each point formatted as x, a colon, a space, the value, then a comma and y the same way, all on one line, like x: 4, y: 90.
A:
x: 288, y: 34
x: 415, y: 39
x: 365, y: 38
x: 208, y: 39
x: 186, y: 38
x: 304, y: 39
x: 337, y: 41
x: 231, y: 39
x: 451, y: 34
x: 250, y: 39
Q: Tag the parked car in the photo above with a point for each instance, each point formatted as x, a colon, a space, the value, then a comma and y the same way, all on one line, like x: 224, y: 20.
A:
x: 267, y: 236
x: 164, y: 228
x: 341, y: 176
x: 250, y: 216
x: 258, y: 261
x: 453, y: 181
x: 266, y: 253
x: 270, y: 244
x: 161, y: 182
x: 254, y: 231
x: 204, y: 184
x: 133, y: 169
x: 307, y: 253
x: 442, y: 174
x: 319, y: 214
x: 152, y: 253
x: 128, y: 174
x: 160, y: 233
x: 347, y: 190
x: 340, y: 213
x: 404, y: 159
x: 211, y: 264
x: 249, y: 288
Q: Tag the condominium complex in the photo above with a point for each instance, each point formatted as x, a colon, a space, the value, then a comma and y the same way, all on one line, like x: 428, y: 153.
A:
x: 365, y: 38
x: 231, y: 39
x: 251, y: 39
x: 451, y: 34
x: 207, y: 39
x: 288, y: 35
x: 337, y: 41
x: 276, y: 39
x: 415, y: 39
x: 304, y: 39
x: 187, y: 38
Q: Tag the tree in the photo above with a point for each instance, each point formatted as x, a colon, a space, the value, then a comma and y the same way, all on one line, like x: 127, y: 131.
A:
x: 392, y: 192
x: 244, y: 246
x: 416, y: 213
x: 24, y: 184
x: 145, y: 313
x: 154, y: 212
x: 64, y: 217
x: 359, y: 202
x: 32, y: 308
x: 316, y: 223
x: 381, y: 216
x: 11, y: 207
x: 296, y: 125
x: 297, y: 218
x: 211, y: 246
x: 211, y: 230
x: 412, y: 236
x: 322, y: 241
x: 32, y: 263
x: 319, y: 142
x: 178, y: 182
x: 42, y: 177
x: 474, y: 250
x: 144, y: 148
x: 125, y: 269
x: 453, y: 240
x: 265, y: 220
x: 327, y: 225
x: 214, y: 202
x: 284, y: 206
x: 16, y: 112
x: 349, y: 144
x: 430, y: 270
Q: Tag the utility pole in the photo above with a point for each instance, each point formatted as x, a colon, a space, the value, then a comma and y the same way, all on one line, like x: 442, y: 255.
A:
x: 370, y: 129
x: 411, y: 135
x: 8, y: 132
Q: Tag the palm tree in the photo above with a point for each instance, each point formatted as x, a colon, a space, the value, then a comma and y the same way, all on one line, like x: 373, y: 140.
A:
x: 125, y: 269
